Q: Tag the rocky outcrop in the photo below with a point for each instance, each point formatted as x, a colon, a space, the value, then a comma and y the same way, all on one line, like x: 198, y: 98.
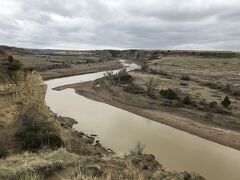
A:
x: 17, y: 97
x: 20, y: 91
x: 22, y: 100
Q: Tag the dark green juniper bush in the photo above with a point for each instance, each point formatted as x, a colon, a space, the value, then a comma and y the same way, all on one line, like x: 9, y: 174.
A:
x: 14, y: 65
x: 168, y: 94
x: 33, y: 137
x: 226, y: 102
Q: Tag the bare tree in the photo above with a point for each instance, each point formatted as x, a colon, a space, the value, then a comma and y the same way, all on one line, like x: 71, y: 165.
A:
x: 108, y: 75
x: 138, y: 149
x: 150, y: 87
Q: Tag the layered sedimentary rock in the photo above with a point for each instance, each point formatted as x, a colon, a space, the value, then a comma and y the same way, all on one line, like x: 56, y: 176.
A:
x: 19, y: 95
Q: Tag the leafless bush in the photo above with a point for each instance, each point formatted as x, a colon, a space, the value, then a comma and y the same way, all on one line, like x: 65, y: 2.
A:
x: 150, y: 87
x: 109, y: 76
x: 138, y: 149
x: 133, y: 88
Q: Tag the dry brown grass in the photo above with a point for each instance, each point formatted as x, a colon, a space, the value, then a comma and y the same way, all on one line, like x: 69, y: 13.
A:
x: 43, y: 163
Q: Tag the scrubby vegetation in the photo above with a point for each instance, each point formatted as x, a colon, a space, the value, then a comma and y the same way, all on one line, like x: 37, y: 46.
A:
x: 226, y: 102
x: 168, y: 94
x: 226, y: 88
x: 133, y: 88
x: 33, y: 137
x: 46, y: 67
x: 14, y: 65
x: 122, y: 77
x: 187, y: 100
x: 150, y: 87
x: 186, y: 86
x: 31, y: 176
x: 3, y: 152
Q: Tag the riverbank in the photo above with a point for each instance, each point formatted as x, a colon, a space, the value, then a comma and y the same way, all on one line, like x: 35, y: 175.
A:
x: 81, y: 69
x: 221, y: 136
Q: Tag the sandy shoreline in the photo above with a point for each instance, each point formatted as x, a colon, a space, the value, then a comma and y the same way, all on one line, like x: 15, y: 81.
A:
x: 221, y: 136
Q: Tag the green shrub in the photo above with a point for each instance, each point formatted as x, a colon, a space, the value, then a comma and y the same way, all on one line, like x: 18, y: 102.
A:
x: 168, y: 94
x: 52, y: 140
x: 187, y: 100
x: 3, y: 153
x: 34, y: 137
x: 226, y: 102
x: 123, y: 77
x: 31, y: 140
x: 14, y: 66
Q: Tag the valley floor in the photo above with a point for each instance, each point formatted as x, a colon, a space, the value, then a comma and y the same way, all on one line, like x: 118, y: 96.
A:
x: 228, y: 138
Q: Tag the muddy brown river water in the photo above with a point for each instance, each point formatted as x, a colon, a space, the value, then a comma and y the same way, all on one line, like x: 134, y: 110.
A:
x: 120, y: 130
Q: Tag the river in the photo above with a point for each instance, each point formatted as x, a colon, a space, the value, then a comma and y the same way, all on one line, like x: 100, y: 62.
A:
x: 120, y: 130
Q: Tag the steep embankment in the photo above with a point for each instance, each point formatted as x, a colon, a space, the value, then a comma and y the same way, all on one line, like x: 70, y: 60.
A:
x: 22, y: 106
x: 23, y: 109
x: 22, y: 97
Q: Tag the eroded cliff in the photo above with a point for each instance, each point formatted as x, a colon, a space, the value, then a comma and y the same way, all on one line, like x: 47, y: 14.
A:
x: 22, y: 98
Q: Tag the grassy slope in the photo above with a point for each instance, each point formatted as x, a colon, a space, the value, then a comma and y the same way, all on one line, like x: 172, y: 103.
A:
x: 61, y: 164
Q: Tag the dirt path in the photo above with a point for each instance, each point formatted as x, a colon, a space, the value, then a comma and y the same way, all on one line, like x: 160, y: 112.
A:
x: 221, y: 136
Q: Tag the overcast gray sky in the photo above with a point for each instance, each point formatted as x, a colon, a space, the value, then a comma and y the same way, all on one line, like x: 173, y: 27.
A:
x: 121, y: 24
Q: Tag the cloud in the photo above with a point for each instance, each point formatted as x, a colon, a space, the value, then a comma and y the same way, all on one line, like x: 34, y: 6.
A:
x: 97, y: 24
